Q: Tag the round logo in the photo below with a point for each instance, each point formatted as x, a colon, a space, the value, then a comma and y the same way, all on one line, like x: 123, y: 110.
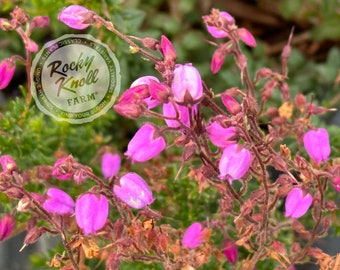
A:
x: 75, y: 78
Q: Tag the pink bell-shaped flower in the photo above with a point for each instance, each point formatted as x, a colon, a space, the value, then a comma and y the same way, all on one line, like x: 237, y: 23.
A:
x: 297, y: 203
x: 194, y: 235
x: 7, y: 68
x: 187, y: 84
x: 219, y: 135
x: 230, y: 250
x: 235, y: 162
x: 133, y: 191
x: 58, y: 202
x: 317, y: 145
x: 7, y: 223
x: 91, y: 212
x: 110, y: 165
x: 76, y: 17
x: 146, y: 144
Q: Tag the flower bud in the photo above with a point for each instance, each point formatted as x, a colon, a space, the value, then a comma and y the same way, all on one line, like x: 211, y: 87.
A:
x: 230, y: 250
x: 14, y: 193
x: 146, y: 144
x: 219, y: 135
x: 40, y: 22
x: 63, y: 168
x: 297, y: 203
x: 129, y: 110
x: 32, y: 235
x: 91, y: 212
x: 80, y: 176
x: 218, y: 58
x: 167, y: 49
x: 231, y: 104
x: 336, y: 183
x: 7, y: 223
x: 300, y: 102
x: 58, y: 202
x: 235, y: 162
x: 317, y: 145
x: 7, y: 68
x: 194, y: 235
x: 25, y: 204
x: 8, y: 164
x: 31, y: 46
x: 187, y: 84
x: 135, y: 93
x: 133, y: 191
x: 159, y: 91
x: 76, y: 17
x: 6, y: 25
x: 150, y: 43
x: 110, y: 165
x: 246, y: 37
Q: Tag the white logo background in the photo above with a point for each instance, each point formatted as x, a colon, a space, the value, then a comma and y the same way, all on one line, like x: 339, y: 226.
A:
x: 75, y: 78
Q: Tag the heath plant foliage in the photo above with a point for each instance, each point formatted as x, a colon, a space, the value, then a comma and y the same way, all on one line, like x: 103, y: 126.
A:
x: 120, y: 207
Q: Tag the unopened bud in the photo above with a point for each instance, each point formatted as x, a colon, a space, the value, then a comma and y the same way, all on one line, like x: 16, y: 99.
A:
x: 7, y: 224
x: 8, y: 164
x: 263, y: 73
x: 131, y: 111
x: 230, y: 250
x: 6, y: 25
x: 189, y: 151
x: 150, y: 43
x: 272, y: 111
x: 168, y: 49
x: 285, y: 91
x: 32, y: 236
x: 40, y: 22
x: 31, y: 46
x: 63, y: 168
x: 79, y: 176
x: 231, y: 104
x: 159, y: 91
x: 300, y: 102
x: 218, y: 58
x: 246, y: 37
x: 14, y: 193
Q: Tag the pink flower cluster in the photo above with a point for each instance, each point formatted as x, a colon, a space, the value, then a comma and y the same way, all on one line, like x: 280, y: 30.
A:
x: 225, y: 146
x: 91, y: 209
